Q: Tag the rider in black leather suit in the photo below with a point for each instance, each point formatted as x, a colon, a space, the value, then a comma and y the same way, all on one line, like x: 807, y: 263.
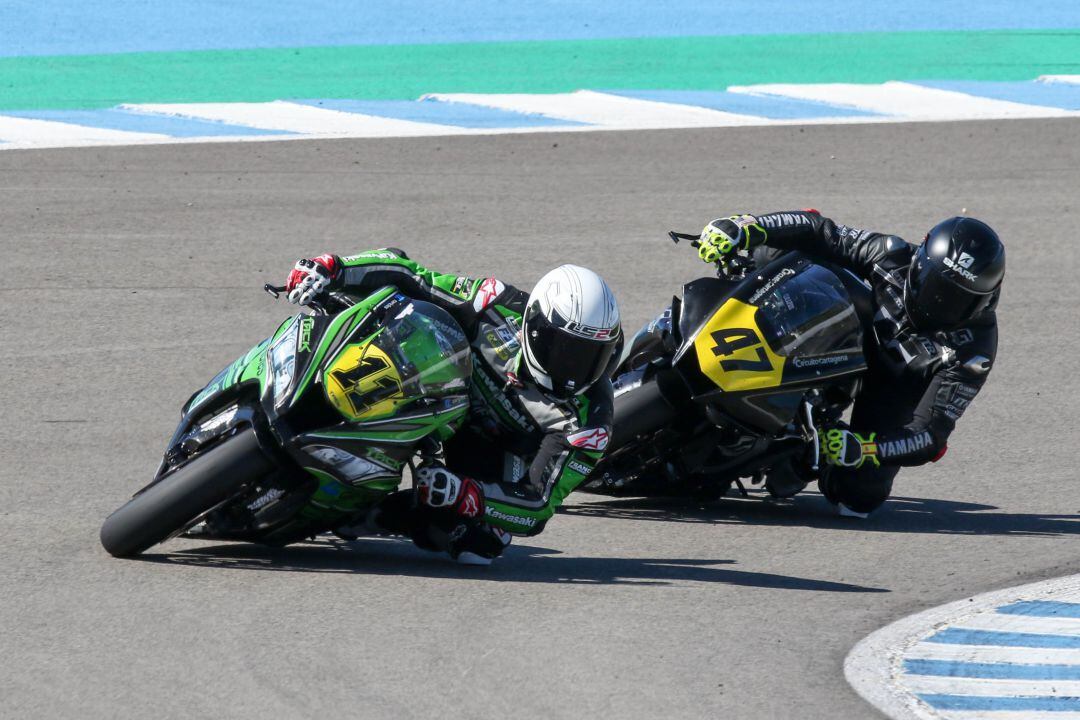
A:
x: 934, y: 335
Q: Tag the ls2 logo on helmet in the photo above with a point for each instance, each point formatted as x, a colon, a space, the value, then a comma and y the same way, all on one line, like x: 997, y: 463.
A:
x: 596, y: 333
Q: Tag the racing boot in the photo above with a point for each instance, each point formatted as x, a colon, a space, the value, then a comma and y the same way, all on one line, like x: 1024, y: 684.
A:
x: 784, y: 480
x: 845, y: 511
x: 451, y: 512
x: 392, y: 516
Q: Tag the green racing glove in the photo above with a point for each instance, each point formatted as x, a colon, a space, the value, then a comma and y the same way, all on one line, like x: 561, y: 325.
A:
x: 724, y: 236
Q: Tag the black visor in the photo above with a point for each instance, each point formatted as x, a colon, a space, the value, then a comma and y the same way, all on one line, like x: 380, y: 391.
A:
x: 572, y: 360
x: 936, y: 302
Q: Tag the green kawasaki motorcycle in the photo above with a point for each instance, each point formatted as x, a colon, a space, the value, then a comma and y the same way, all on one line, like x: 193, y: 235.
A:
x: 309, y: 429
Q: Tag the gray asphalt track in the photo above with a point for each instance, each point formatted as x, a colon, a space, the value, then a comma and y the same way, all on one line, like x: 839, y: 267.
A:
x: 132, y: 275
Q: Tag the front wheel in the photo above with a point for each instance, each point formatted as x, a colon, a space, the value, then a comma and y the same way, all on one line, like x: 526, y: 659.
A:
x: 179, y: 499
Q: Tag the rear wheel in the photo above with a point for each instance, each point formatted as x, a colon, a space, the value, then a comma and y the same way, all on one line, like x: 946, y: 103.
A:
x: 181, y: 498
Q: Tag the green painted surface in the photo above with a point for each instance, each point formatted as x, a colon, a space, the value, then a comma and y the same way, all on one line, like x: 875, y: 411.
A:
x: 406, y: 72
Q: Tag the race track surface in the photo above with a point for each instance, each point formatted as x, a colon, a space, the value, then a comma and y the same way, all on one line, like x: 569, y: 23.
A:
x: 132, y: 275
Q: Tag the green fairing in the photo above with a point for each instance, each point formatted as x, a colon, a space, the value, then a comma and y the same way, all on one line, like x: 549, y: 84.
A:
x: 282, y: 328
x: 432, y: 360
x: 416, y: 429
x: 348, y: 319
x: 333, y: 496
x: 249, y: 368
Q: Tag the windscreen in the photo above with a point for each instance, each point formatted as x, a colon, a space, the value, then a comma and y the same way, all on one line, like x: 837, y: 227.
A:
x: 428, y: 349
x: 810, y: 313
x: 419, y: 352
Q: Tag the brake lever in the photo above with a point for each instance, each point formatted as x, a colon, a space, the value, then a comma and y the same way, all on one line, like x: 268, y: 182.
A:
x: 808, y: 410
x: 274, y: 290
x: 695, y: 240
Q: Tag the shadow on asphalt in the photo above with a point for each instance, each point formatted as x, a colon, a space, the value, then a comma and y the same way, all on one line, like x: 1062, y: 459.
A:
x: 898, y: 515
x: 521, y: 563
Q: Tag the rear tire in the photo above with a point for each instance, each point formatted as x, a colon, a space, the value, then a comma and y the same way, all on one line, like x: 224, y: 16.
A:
x: 169, y: 506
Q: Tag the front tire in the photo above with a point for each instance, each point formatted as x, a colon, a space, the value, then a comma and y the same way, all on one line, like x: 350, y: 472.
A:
x: 172, y: 504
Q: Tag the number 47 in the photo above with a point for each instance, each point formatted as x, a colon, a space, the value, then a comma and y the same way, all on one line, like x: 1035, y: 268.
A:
x: 730, y: 340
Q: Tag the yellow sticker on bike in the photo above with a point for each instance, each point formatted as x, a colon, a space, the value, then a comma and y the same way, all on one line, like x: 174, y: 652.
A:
x: 733, y: 353
x: 362, y: 383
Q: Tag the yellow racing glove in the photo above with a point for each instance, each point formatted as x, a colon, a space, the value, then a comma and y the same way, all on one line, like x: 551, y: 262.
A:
x: 724, y: 236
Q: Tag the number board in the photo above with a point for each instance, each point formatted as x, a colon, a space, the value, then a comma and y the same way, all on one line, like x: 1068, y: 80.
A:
x: 732, y: 352
x: 362, y: 382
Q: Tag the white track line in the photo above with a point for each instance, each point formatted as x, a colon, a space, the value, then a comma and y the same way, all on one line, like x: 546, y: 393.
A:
x: 874, y: 667
x: 893, y: 101
x: 904, y: 100
x: 24, y: 132
x: 1022, y: 624
x: 1007, y: 715
x: 607, y: 111
x: 300, y: 119
x: 1069, y: 79
x: 991, y: 688
x: 993, y: 654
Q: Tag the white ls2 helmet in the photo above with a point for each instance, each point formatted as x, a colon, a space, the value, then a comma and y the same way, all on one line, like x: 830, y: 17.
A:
x: 570, y: 331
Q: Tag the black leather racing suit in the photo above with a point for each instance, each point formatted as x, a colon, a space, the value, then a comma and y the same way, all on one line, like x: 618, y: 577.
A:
x: 918, y: 383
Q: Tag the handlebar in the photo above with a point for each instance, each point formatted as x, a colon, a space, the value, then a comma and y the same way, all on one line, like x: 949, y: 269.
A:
x: 731, y: 266
x: 276, y: 290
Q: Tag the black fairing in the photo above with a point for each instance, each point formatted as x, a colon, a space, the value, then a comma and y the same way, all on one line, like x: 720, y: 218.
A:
x: 823, y: 345
x: 677, y: 431
x: 701, y: 298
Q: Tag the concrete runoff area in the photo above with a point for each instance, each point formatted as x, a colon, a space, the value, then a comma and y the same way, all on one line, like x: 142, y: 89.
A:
x: 132, y: 275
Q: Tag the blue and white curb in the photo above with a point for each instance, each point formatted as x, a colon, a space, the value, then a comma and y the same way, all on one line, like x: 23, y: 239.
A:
x: 1012, y: 653
x: 443, y: 114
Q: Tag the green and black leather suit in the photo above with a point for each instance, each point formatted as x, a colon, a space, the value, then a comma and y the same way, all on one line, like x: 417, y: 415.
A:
x: 527, y: 448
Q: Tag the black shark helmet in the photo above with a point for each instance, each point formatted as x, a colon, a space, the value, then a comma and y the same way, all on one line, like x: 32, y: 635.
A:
x: 955, y: 275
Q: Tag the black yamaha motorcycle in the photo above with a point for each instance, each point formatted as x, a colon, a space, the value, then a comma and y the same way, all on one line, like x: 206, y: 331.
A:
x: 731, y: 380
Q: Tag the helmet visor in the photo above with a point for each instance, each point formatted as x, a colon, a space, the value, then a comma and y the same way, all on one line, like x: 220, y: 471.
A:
x: 573, y: 361
x: 934, y: 301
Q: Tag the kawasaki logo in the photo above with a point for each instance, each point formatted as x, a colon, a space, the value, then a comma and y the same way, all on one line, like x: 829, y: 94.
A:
x: 517, y: 519
x: 496, y: 396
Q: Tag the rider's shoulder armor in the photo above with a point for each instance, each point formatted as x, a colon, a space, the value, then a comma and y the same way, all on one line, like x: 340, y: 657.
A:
x: 890, y: 253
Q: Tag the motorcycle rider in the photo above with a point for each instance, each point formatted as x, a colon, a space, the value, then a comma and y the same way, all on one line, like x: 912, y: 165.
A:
x: 934, y: 332
x: 540, y: 398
